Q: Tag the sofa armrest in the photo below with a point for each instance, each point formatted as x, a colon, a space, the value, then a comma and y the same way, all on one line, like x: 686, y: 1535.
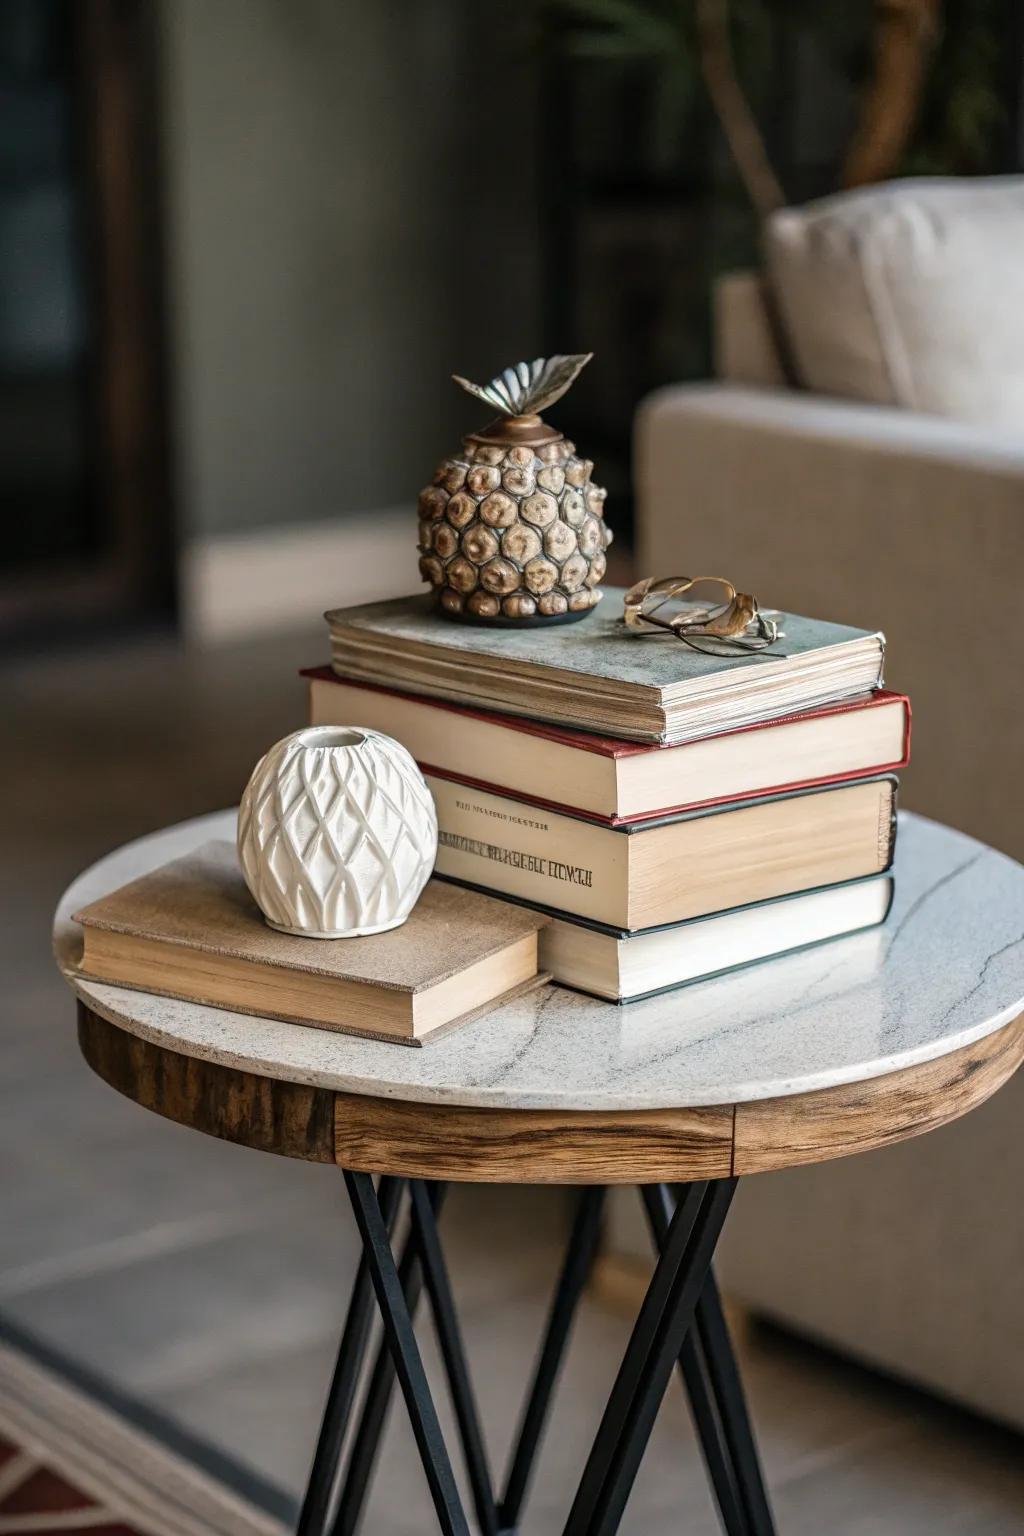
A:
x: 872, y: 516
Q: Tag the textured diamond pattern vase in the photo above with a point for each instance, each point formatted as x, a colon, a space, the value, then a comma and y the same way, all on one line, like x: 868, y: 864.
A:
x: 337, y: 833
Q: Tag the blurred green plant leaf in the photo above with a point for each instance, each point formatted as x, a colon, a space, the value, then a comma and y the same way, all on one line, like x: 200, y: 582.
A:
x: 608, y: 45
x: 631, y: 26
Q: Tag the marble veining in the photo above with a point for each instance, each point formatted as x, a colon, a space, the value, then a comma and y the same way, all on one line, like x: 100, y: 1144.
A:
x: 945, y: 970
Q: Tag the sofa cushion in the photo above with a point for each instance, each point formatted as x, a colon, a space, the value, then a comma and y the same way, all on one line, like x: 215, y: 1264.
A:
x: 744, y: 329
x: 909, y: 293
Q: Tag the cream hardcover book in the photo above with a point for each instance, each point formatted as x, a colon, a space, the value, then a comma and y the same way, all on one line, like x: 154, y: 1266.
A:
x: 614, y: 780
x: 191, y: 929
x: 646, y: 874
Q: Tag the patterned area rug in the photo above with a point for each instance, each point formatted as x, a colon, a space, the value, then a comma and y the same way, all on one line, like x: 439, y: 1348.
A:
x: 68, y: 1463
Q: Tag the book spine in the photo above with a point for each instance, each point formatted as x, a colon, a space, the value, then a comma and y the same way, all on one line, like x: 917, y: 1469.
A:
x: 888, y: 825
x: 538, y: 856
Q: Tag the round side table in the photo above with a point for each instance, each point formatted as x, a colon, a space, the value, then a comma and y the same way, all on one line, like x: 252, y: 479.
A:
x: 849, y: 1046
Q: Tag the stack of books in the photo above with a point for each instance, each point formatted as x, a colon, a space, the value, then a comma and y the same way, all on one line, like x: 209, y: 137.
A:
x: 674, y: 814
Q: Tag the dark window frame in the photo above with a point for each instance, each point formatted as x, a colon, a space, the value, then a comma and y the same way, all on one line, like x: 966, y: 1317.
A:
x: 126, y: 385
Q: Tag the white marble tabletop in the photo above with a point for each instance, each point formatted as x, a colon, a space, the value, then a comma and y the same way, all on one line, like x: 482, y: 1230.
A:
x: 946, y: 969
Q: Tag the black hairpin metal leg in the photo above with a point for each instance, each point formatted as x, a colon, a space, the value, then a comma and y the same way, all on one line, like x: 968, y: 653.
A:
x: 342, y: 1391
x: 579, y: 1260
x: 366, y: 1444
x: 680, y: 1321
x: 442, y: 1303
x: 401, y: 1339
x: 713, y: 1387
x: 422, y: 1260
x: 494, y: 1518
x: 659, y: 1207
x: 727, y: 1388
x: 653, y: 1349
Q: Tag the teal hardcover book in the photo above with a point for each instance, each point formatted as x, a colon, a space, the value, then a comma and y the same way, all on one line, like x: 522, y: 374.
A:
x: 597, y: 675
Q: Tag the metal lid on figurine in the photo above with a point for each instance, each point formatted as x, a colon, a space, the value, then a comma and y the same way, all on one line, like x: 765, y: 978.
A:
x: 530, y: 430
x: 520, y: 393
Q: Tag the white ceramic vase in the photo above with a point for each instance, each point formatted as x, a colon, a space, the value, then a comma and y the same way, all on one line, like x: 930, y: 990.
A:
x: 337, y: 833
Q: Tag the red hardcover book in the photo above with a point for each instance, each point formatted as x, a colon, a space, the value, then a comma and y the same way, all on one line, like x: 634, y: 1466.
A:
x: 614, y: 781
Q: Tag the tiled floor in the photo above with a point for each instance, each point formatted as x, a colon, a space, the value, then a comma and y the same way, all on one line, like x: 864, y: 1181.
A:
x: 209, y: 1281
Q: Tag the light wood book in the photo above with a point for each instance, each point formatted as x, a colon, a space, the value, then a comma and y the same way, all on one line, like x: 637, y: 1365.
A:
x: 191, y: 930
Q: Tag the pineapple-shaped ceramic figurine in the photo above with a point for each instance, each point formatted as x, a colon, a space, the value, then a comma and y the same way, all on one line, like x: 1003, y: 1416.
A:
x: 512, y: 529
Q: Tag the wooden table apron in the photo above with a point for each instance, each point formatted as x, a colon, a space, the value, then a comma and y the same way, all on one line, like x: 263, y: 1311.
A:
x: 531, y: 1146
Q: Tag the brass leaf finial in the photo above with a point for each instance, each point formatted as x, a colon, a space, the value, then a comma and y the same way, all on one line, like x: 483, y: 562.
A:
x: 529, y: 388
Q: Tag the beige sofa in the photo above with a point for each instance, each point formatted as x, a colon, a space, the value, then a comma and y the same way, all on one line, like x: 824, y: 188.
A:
x: 901, y: 508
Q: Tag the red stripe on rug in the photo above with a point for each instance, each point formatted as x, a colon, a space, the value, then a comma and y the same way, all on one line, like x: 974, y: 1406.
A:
x: 91, y: 1530
x: 44, y: 1492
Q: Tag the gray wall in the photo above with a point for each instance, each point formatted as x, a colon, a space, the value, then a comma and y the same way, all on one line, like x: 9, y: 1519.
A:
x: 348, y: 188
